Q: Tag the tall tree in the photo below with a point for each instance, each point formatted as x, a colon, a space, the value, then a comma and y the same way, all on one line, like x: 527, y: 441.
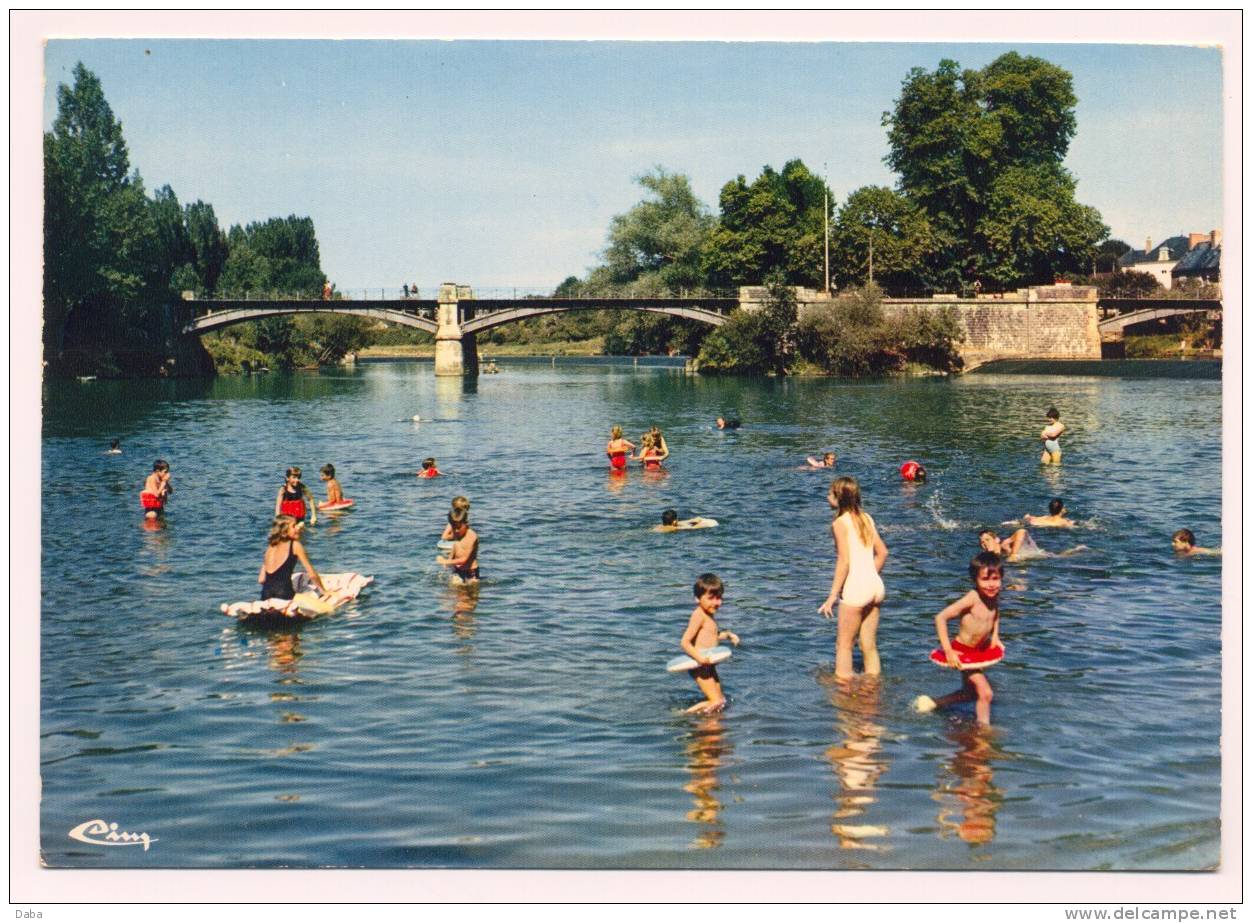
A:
x: 879, y: 224
x: 208, y: 242
x: 655, y: 247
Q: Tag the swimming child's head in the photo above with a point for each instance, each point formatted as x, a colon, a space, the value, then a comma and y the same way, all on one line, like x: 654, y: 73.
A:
x: 160, y: 465
x: 919, y: 473
x: 721, y: 422
x: 615, y: 432
x: 328, y: 472
x: 987, y: 571
x: 428, y: 463
x: 709, y: 590
x: 828, y: 459
x: 668, y: 518
x: 845, y: 495
x: 989, y: 541
x: 284, y: 528
x: 115, y: 444
x: 461, y: 503
x: 1183, y: 540
x: 1056, y: 506
x: 459, y: 521
x: 1053, y: 414
x: 293, y: 473
x: 647, y: 441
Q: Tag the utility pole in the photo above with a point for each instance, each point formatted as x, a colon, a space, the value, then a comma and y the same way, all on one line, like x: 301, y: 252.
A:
x: 871, y: 257
x: 826, y: 221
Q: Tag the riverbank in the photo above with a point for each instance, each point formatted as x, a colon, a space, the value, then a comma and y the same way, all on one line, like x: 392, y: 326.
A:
x: 1105, y: 368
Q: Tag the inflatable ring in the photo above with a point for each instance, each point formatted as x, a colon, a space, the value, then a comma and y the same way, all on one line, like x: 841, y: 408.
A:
x: 684, y: 663
x: 970, y: 658
x: 908, y: 470
x: 329, y: 507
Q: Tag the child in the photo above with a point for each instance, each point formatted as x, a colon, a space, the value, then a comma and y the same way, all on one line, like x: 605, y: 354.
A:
x: 827, y: 461
x: 723, y: 423
x: 334, y: 493
x: 463, y: 558
x: 428, y: 469
x: 294, y: 498
x: 1184, y: 543
x: 115, y: 447
x: 861, y: 555
x: 618, y: 449
x: 979, y: 611
x: 1055, y: 517
x: 1051, y: 436
x: 156, y: 490
x: 702, y: 633
x: 279, y: 561
x: 658, y: 443
x: 671, y: 523
x: 458, y: 503
x: 1010, y: 548
x: 649, y: 454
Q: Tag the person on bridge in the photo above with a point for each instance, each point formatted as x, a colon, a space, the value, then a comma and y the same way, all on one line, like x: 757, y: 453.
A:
x: 1051, y: 436
x: 618, y: 449
x: 294, y: 498
x: 327, y: 290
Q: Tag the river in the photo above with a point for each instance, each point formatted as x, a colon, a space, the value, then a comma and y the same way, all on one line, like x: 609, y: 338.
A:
x: 532, y: 724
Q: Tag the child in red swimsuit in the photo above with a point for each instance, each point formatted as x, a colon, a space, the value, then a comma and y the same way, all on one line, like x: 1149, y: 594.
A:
x: 156, y: 489
x: 428, y: 469
x: 618, y: 449
x: 294, y: 498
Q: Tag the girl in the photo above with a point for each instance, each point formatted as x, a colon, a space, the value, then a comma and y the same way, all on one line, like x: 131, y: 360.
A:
x: 658, y: 441
x: 1051, y: 436
x: 650, y: 455
x: 294, y: 499
x: 281, y: 555
x: 860, y: 556
x: 617, y: 449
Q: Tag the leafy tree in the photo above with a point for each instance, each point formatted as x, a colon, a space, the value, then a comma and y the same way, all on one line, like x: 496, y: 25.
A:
x: 981, y: 153
x: 174, y: 256
x: 755, y: 341
x: 208, y: 243
x: 902, y: 237
x: 774, y: 225
x: 1108, y: 252
x: 1133, y: 284
x: 655, y: 247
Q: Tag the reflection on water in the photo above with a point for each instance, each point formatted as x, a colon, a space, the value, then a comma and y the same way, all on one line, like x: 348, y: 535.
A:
x: 966, y: 792
x: 707, y: 749
x: 857, y: 758
x: 462, y: 599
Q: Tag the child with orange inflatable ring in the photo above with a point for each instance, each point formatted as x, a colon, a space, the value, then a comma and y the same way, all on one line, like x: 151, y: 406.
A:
x: 912, y: 471
x: 971, y: 658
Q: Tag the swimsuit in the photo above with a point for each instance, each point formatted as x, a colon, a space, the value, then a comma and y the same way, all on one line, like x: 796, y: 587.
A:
x: 292, y: 502
x: 1052, y: 446
x: 152, y: 502
x: 618, y: 460
x: 651, y: 463
x: 429, y: 473
x: 277, y: 584
x: 863, y: 586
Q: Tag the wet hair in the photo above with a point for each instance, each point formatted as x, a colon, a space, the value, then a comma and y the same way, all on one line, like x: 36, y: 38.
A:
x: 668, y: 518
x: 294, y: 471
x: 985, y: 560
x: 1185, y: 535
x: 160, y: 465
x: 328, y: 470
x: 278, y: 529
x: 847, y: 493
x: 115, y: 444
x: 655, y: 433
x: 709, y: 583
x: 1053, y: 414
x: 646, y: 441
x: 428, y: 463
x: 919, y: 474
x: 1055, y: 506
x: 992, y: 532
x: 461, y: 503
x: 458, y: 518
x: 615, y: 432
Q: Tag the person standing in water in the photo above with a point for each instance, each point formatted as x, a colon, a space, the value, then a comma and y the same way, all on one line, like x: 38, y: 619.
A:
x: 857, y: 585
x: 1051, y: 436
x: 618, y: 449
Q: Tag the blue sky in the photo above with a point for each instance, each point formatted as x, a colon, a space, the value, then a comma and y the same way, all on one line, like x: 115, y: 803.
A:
x: 500, y: 164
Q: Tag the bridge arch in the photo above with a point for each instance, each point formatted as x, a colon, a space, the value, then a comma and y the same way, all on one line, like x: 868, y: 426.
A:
x: 226, y: 314
x: 487, y: 315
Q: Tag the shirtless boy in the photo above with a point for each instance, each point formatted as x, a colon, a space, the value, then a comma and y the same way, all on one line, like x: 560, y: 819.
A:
x: 1184, y: 543
x: 463, y: 558
x: 156, y: 489
x: 671, y: 523
x: 1056, y: 516
x: 702, y: 633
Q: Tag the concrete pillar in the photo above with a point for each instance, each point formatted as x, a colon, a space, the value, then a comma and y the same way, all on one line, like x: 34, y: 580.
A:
x: 448, y: 357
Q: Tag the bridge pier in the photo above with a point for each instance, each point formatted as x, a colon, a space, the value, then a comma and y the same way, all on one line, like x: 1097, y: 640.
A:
x: 456, y: 353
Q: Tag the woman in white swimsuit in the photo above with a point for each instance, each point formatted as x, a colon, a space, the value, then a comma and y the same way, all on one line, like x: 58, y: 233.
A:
x: 860, y: 555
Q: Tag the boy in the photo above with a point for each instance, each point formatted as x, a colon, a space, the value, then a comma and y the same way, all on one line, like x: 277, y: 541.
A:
x: 702, y: 633
x: 1008, y: 548
x: 671, y: 523
x: 1051, y: 436
x: 979, y: 611
x: 1184, y: 543
x: 463, y: 558
x: 428, y: 469
x: 1055, y: 517
x: 334, y: 493
x: 156, y: 489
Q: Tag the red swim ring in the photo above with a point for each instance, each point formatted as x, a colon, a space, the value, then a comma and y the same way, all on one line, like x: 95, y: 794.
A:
x: 908, y: 470
x: 971, y: 658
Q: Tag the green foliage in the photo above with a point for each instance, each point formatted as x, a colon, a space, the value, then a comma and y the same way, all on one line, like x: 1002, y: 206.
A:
x: 1131, y: 284
x: 1108, y: 252
x: 904, y: 242
x: 278, y: 256
x: 758, y: 341
x: 658, y: 242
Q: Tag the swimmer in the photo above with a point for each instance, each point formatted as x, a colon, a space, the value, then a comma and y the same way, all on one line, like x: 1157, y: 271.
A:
x: 1055, y: 517
x: 1051, y: 436
x: 861, y: 555
x: 826, y: 461
x: 463, y: 558
x: 618, y: 449
x: 912, y: 471
x: 294, y: 498
x: 979, y: 612
x: 115, y: 447
x: 428, y: 469
x: 1011, y: 548
x: 671, y: 523
x: 1184, y: 544
x: 156, y: 490
x: 723, y: 423
x: 334, y: 493
x: 458, y: 503
x: 649, y: 454
x: 281, y: 554
x: 658, y: 442
x: 702, y: 633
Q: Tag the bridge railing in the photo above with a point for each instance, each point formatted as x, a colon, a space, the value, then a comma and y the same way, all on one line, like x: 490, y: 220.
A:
x: 492, y: 292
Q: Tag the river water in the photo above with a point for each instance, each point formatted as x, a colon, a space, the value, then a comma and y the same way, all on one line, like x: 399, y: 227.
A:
x: 533, y: 725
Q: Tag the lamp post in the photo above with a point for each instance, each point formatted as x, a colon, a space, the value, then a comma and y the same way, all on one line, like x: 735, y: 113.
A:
x: 826, y: 220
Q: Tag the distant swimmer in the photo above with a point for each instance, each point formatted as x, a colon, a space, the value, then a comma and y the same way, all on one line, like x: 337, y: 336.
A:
x: 723, y: 423
x: 671, y: 523
x: 1051, y: 436
x: 826, y: 461
x: 912, y: 471
x: 618, y: 449
x: 428, y: 469
x: 1016, y: 546
x: 977, y: 641
x: 1184, y: 544
x: 701, y: 637
x: 463, y: 558
x: 1056, y: 516
x: 156, y: 490
x: 115, y: 447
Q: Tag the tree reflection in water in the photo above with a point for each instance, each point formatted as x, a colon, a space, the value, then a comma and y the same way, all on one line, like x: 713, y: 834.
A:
x: 857, y: 760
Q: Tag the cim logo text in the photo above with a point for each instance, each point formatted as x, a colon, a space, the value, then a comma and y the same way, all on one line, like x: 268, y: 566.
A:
x: 104, y: 834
